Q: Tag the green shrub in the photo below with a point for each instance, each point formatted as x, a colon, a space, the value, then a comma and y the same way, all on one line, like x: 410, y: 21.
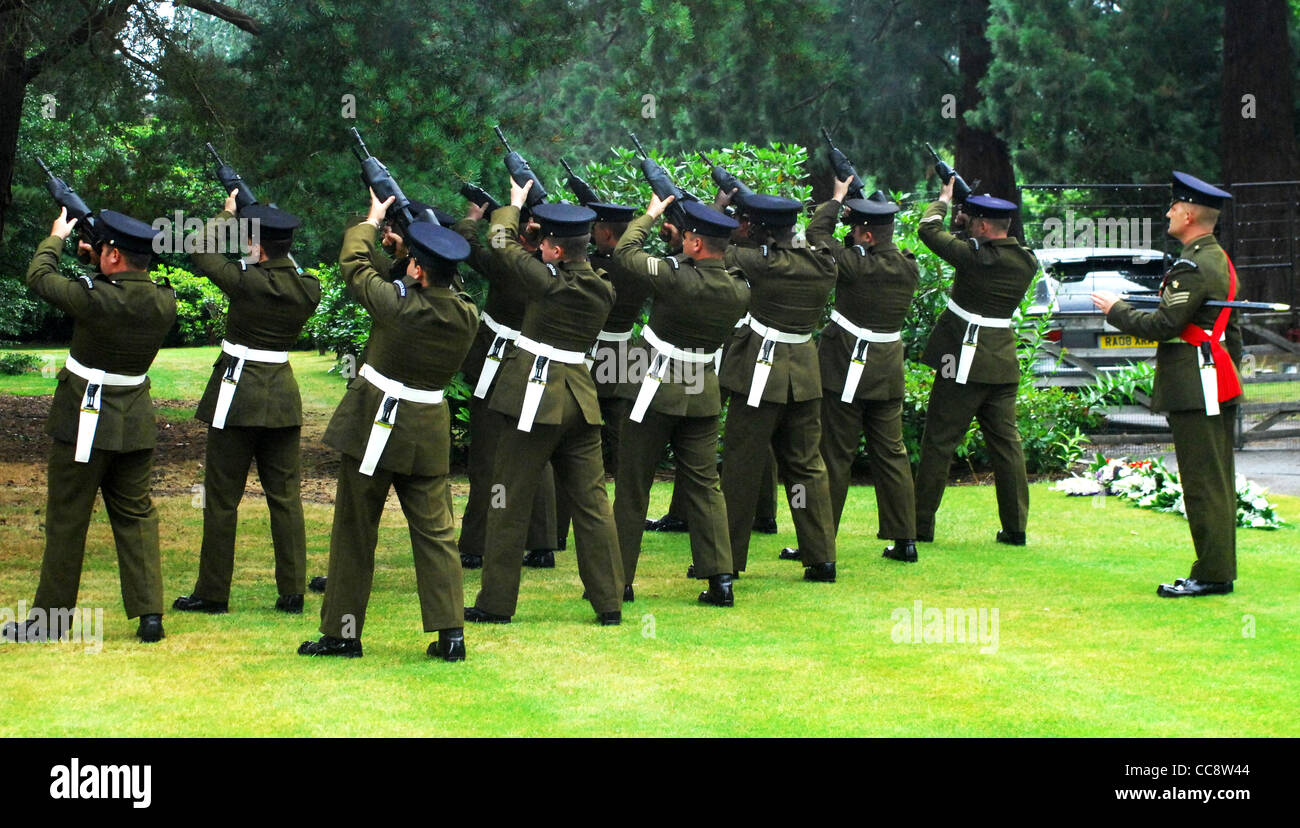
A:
x: 339, y: 324
x: 201, y: 308
x: 1121, y: 387
x: 19, y: 363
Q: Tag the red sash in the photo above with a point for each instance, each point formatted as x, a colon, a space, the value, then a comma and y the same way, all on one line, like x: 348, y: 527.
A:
x: 1229, y: 381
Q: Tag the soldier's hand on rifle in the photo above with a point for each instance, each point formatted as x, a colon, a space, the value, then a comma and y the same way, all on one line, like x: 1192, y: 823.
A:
x: 397, y: 242
x: 519, y: 195
x: 62, y: 226
x: 671, y: 235
x: 960, y: 219
x: 657, y: 207
x: 945, y: 194
x: 723, y: 199
x: 379, y: 208
x: 230, y: 205
x: 474, y: 212
x: 841, y: 190
x: 1103, y: 299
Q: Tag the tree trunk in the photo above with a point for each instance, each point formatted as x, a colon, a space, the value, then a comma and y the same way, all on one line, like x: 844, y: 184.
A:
x: 1258, y: 144
x: 981, y: 154
x: 13, y: 89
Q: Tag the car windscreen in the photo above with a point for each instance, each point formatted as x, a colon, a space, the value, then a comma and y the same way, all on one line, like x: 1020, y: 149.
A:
x: 1148, y: 273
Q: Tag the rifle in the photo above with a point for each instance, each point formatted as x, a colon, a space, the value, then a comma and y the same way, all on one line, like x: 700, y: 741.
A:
x: 1144, y: 299
x: 844, y: 170
x: 584, y: 192
x: 660, y: 184
x: 960, y: 189
x: 231, y: 180
x: 521, y: 173
x: 377, y: 177
x: 67, y: 198
x: 728, y: 182
x: 475, y: 194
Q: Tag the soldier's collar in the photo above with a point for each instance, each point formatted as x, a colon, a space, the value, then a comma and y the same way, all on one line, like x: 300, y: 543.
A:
x: 279, y: 261
x: 883, y: 247
x: 1201, y: 241
x: 124, y: 276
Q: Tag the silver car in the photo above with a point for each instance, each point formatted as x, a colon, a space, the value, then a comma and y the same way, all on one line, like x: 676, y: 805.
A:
x: 1080, y: 337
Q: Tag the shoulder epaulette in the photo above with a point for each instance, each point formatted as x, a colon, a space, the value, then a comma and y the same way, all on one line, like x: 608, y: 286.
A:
x: 1187, y: 262
x: 551, y: 268
x: 763, y: 247
x: 975, y: 243
x: 401, y: 289
x: 672, y: 260
x: 861, y: 251
x: 87, y: 280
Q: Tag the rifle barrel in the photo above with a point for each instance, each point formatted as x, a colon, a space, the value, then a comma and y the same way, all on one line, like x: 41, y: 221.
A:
x: 637, y: 143
x: 502, y: 137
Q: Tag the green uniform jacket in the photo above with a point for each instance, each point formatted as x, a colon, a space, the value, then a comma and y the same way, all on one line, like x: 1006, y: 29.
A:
x: 1202, y: 274
x: 418, y: 337
x: 874, y: 291
x: 504, y: 304
x: 696, y: 305
x: 118, y: 327
x: 269, y: 303
x: 630, y: 295
x: 789, y: 287
x: 991, y: 279
x: 567, y: 304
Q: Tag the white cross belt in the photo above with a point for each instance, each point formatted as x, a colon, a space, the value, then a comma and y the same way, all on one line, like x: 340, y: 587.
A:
x: 230, y: 378
x: 386, y: 417
x: 92, y: 399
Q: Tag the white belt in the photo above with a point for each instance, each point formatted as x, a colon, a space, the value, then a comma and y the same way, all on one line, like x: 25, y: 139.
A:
x: 858, y: 359
x: 969, y: 343
x: 386, y: 416
x: 230, y: 379
x: 543, y: 355
x: 501, y: 336
x: 614, y: 336
x: 664, y: 351
x: 763, y: 361
x: 91, y: 400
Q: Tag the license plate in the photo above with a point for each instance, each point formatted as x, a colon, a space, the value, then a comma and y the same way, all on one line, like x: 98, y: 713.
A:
x: 1123, y: 341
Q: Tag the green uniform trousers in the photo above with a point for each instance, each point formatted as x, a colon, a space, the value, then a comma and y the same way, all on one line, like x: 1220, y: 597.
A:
x: 793, y: 431
x: 695, y: 446
x: 488, y: 426
x: 766, y: 494
x: 229, y: 453
x: 891, y: 472
x: 124, y: 480
x: 573, y: 447
x: 614, y: 411
x: 947, y: 418
x: 1208, y: 473
x: 358, y: 506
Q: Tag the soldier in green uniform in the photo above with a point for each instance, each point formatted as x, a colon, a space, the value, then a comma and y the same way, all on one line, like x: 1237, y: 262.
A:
x: 973, y: 349
x: 1197, y: 380
x: 770, y: 370
x: 696, y: 304
x: 545, y: 387
x: 861, y: 355
x: 253, y: 409
x: 393, y: 430
x: 102, y: 422
x: 499, y: 325
x: 609, y: 356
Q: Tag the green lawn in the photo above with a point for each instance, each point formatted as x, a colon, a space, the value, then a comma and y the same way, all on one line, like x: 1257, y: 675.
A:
x: 1084, y: 646
x: 182, y: 374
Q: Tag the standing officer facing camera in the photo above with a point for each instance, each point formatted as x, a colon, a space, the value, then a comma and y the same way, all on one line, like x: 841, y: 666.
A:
x: 102, y: 422
x: 1197, y: 379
